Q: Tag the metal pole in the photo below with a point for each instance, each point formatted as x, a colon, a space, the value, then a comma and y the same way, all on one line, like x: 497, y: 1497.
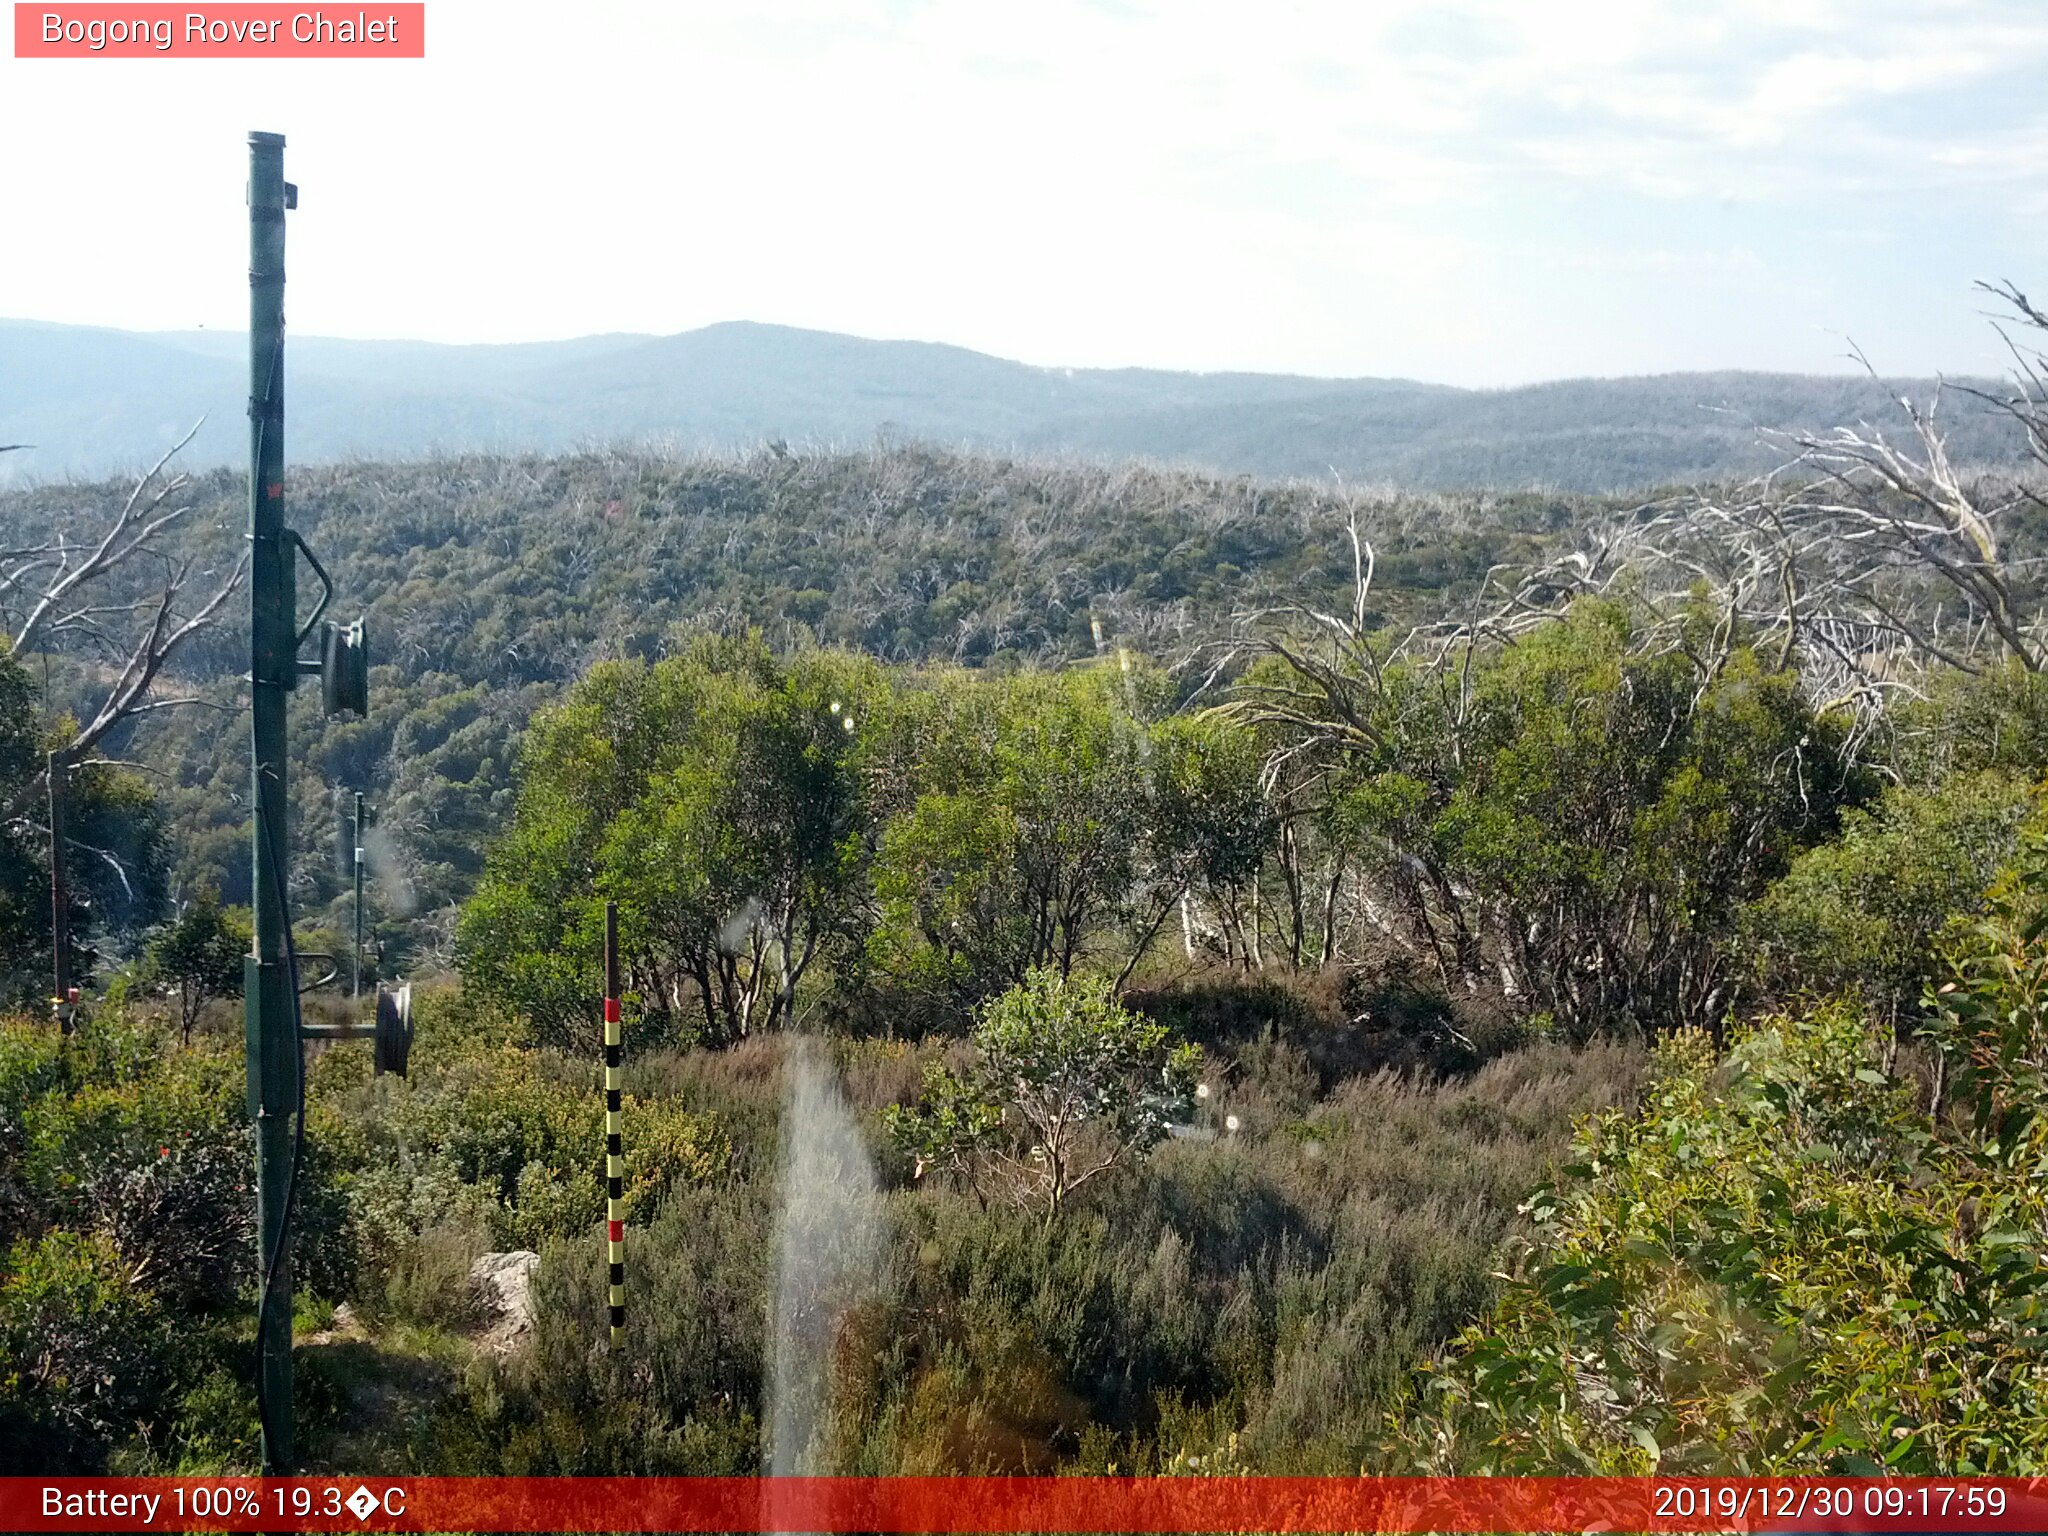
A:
x: 355, y: 987
x: 614, y: 1153
x: 60, y: 897
x: 273, y: 1046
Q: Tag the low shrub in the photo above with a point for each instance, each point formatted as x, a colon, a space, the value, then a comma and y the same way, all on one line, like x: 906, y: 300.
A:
x: 1782, y: 1267
x: 83, y: 1352
x: 488, y: 1144
x: 1257, y: 1295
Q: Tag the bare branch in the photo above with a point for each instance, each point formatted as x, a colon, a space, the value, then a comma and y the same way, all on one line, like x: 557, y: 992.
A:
x: 67, y: 607
x: 139, y: 521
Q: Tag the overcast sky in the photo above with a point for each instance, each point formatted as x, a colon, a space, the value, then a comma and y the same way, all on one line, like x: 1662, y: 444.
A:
x: 1475, y: 193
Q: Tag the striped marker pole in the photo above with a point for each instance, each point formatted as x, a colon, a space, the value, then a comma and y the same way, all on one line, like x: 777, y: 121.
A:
x: 614, y: 1158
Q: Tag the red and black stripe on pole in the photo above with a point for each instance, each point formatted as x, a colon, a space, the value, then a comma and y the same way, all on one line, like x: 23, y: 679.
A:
x: 614, y: 1156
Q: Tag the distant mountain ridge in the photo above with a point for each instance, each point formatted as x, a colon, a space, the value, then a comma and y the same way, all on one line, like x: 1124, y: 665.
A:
x: 97, y: 401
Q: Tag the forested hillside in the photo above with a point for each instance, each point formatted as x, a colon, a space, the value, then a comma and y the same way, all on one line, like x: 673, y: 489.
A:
x: 491, y: 583
x: 96, y: 401
x: 1123, y: 971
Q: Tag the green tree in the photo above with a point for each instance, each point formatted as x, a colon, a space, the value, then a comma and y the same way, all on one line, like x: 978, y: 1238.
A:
x: 1860, y: 914
x: 1210, y: 826
x: 1621, y: 809
x: 1972, y: 722
x: 120, y: 856
x: 1578, y: 818
x: 24, y: 878
x: 1066, y: 1084
x: 198, y: 956
x: 1991, y: 1014
x: 718, y: 796
x: 114, y: 840
x: 1025, y: 832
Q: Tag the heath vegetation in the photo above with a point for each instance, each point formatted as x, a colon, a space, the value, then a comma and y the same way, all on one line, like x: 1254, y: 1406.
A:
x: 1311, y: 980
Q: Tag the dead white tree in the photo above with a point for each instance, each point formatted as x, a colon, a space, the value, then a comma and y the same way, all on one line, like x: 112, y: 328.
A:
x: 2026, y: 400
x: 1897, y: 556
x: 52, y: 595
x: 1867, y: 558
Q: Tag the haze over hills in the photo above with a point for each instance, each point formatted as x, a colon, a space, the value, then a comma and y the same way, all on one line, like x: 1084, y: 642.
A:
x: 98, y: 401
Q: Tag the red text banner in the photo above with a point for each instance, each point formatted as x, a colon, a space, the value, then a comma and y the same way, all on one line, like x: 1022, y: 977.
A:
x: 237, y: 31
x: 1004, y: 1504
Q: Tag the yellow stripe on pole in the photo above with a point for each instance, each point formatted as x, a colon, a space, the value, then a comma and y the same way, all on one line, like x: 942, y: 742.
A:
x: 614, y: 1161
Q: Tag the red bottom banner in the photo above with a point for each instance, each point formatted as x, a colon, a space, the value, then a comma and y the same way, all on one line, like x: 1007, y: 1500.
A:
x: 1036, y: 1504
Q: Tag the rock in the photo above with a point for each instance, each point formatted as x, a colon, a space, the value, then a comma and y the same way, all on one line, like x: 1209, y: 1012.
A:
x: 343, y: 1328
x: 504, y: 1284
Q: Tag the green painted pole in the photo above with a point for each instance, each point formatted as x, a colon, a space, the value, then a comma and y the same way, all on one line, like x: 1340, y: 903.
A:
x: 273, y: 1047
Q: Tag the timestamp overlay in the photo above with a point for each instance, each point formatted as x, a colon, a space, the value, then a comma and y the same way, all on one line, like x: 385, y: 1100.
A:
x: 1045, y: 1504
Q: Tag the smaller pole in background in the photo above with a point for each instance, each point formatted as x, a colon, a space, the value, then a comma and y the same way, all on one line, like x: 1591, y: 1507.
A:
x: 614, y: 1157
x: 355, y: 989
x: 60, y: 897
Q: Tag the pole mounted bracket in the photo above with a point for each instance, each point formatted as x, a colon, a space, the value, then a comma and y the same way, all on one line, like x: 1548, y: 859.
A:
x: 326, y: 586
x: 390, y: 1036
x: 344, y: 662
